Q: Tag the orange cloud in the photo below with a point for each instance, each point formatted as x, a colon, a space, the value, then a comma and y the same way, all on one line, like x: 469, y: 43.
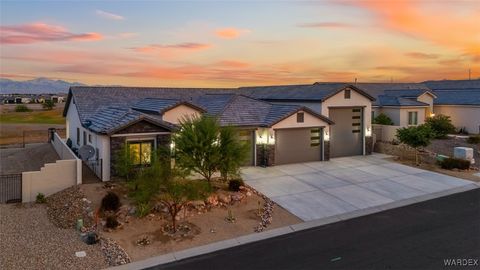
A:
x: 440, y: 22
x: 420, y: 55
x: 230, y: 33
x: 41, y: 32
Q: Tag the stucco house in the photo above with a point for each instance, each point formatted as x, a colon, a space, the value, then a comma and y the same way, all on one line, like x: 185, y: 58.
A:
x: 300, y: 128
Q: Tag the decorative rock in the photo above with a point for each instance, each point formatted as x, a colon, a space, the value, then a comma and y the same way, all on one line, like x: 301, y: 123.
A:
x: 249, y: 193
x: 80, y: 254
x: 114, y: 253
x: 237, y: 197
x: 212, y: 200
x: 224, y: 198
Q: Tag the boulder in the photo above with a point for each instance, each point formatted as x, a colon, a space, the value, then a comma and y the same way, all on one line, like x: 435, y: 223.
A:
x: 224, y: 198
x: 237, y: 197
x: 212, y: 200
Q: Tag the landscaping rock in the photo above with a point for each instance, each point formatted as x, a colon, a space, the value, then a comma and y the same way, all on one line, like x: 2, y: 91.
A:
x: 114, y: 253
x: 224, y: 198
x: 237, y: 197
x: 212, y: 200
x: 64, y: 208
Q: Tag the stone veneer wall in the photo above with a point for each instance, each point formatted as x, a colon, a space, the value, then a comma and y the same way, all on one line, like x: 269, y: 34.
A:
x: 116, y: 143
x: 265, y: 151
x: 368, y: 145
x: 326, y: 150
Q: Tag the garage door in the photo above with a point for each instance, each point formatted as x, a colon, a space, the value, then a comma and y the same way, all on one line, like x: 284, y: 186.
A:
x: 346, y: 133
x: 297, y: 145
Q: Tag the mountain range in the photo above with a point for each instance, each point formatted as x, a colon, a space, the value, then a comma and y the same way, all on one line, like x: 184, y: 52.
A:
x: 35, y: 86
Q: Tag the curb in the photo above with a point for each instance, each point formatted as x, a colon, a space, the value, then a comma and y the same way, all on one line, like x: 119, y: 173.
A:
x: 255, y: 237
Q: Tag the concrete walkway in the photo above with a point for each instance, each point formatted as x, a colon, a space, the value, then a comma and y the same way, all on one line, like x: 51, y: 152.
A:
x: 341, y: 186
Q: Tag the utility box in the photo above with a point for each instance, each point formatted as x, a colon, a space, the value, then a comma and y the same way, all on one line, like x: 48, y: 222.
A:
x: 463, y: 153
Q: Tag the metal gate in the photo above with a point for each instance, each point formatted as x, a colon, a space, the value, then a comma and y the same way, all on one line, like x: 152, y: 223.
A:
x: 10, y: 188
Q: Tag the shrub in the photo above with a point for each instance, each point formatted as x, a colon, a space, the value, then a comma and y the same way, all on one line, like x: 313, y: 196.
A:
x: 22, y: 108
x: 441, y: 125
x: 111, y: 222
x: 416, y: 137
x: 474, y: 139
x: 48, y: 104
x: 455, y: 163
x: 143, y: 209
x: 41, y: 198
x: 463, y: 131
x: 383, y: 119
x: 69, y: 143
x: 110, y: 202
x: 234, y: 184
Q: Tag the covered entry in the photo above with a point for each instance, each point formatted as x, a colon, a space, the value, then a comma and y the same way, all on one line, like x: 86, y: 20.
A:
x: 298, y: 145
x: 347, y: 134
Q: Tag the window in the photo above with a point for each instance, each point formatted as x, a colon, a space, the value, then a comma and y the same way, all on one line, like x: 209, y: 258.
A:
x: 90, y: 138
x: 413, y: 118
x: 84, y: 138
x: 300, y: 117
x: 141, y: 152
x: 347, y: 93
x: 315, y: 137
x: 356, y: 110
x: 78, y: 136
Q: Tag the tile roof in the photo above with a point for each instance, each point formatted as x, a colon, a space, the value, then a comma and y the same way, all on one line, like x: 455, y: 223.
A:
x: 113, y: 107
x: 108, y: 119
x: 386, y: 100
x: 453, y: 84
x: 457, y: 97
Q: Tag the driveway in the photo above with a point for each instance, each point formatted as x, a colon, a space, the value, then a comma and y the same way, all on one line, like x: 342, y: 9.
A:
x: 342, y: 185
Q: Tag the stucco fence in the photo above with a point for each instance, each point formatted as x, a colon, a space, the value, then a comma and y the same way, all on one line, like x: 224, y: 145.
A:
x: 385, y: 133
x: 53, y: 177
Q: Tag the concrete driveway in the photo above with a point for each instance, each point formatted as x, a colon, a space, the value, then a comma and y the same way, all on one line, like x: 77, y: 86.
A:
x: 341, y: 186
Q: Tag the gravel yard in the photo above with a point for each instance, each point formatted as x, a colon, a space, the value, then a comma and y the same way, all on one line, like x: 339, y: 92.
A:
x: 28, y: 240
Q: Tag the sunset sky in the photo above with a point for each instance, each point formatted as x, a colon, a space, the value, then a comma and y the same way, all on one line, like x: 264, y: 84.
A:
x: 237, y: 43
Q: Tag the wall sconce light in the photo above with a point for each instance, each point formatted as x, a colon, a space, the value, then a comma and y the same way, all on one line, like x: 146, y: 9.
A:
x: 368, y: 132
x: 326, y: 135
x: 432, y: 114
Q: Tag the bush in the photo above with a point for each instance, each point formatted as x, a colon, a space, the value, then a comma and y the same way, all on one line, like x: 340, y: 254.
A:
x: 383, y: 119
x: 110, y: 202
x: 455, y: 163
x: 441, y: 125
x: 143, y: 209
x: 234, y: 184
x: 22, y: 108
x: 69, y: 143
x: 112, y: 222
x: 41, y: 198
x: 463, y: 131
x: 474, y: 139
x: 48, y: 105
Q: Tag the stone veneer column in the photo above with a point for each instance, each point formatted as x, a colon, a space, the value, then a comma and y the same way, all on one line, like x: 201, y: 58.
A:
x: 265, y: 152
x: 368, y: 145
x: 326, y: 150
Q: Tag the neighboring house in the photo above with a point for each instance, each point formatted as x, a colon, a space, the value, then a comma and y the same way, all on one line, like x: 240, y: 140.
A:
x: 142, y: 119
x: 460, y: 100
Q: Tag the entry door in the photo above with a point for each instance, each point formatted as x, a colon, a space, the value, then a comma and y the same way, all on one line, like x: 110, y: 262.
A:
x: 347, y: 133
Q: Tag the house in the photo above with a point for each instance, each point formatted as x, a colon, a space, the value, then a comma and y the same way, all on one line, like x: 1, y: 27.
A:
x: 297, y: 129
x: 459, y: 99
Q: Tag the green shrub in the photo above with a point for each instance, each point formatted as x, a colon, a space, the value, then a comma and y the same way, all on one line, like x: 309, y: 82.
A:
x: 234, y: 184
x: 474, y: 139
x: 111, y: 222
x: 22, y: 108
x: 41, y: 198
x: 110, y: 202
x: 143, y: 209
x: 455, y: 163
x: 441, y: 125
x: 383, y: 119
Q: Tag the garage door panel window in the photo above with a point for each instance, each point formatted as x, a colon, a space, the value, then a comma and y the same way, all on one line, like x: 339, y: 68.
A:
x: 315, y: 137
x: 412, y: 118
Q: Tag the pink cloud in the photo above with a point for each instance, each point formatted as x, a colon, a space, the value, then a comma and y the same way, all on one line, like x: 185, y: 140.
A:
x: 172, y: 50
x: 109, y: 15
x: 230, y: 33
x: 325, y: 25
x: 41, y: 32
x: 233, y: 64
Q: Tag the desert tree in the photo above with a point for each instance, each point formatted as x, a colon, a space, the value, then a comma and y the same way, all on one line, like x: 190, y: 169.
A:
x: 416, y: 137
